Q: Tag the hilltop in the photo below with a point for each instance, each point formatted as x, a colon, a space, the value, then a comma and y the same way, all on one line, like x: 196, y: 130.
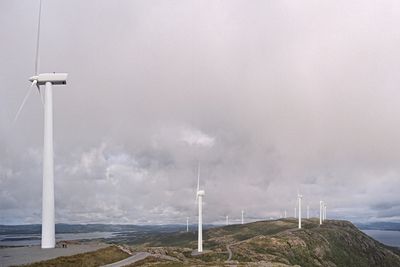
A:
x: 275, y: 243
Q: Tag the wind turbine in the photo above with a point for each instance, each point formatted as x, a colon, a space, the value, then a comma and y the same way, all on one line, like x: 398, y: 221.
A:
x: 324, y: 212
x: 199, y: 199
x: 48, y: 80
x: 285, y: 215
x: 326, y: 216
x: 227, y: 220
x: 321, y: 203
x: 187, y: 224
x: 299, y: 197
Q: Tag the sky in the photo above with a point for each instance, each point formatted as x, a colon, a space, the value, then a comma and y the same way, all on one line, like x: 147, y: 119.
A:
x: 270, y: 97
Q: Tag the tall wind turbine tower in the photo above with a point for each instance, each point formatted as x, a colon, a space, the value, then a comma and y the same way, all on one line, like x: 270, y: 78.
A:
x: 227, y: 220
x: 187, y: 224
x: 199, y: 199
x: 324, y: 212
x: 47, y: 80
x: 242, y: 217
x: 321, y: 203
x: 299, y: 197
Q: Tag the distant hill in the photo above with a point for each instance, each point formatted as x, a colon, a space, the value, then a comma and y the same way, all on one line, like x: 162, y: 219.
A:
x: 87, y: 228
x: 392, y: 226
x: 279, y: 242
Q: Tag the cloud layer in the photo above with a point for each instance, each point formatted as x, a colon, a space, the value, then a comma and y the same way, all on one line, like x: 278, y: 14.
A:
x: 270, y: 97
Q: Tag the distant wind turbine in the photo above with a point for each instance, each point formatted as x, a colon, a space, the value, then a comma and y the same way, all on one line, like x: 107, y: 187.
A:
x: 199, y: 199
x: 227, y: 220
x: 299, y: 197
x: 187, y: 224
x: 321, y: 203
x: 48, y: 80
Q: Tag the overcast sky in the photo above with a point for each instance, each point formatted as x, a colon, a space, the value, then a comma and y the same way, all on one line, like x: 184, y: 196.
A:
x: 271, y: 97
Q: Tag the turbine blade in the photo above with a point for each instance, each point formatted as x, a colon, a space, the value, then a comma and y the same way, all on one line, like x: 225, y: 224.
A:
x: 38, y: 40
x: 24, y: 101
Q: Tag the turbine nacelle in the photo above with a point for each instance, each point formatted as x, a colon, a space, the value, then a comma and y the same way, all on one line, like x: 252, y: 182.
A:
x: 54, y: 78
x: 201, y: 193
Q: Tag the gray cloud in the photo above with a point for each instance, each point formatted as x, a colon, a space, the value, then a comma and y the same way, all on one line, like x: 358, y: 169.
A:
x: 270, y: 97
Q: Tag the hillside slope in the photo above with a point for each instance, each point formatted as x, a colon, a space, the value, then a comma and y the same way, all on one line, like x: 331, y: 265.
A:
x: 265, y: 243
x: 335, y: 243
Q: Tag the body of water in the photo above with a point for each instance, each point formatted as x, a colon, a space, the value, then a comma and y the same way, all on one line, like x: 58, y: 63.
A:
x: 390, y: 238
x: 34, y: 239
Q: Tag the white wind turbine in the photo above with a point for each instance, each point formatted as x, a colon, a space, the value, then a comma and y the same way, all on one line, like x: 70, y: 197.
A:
x: 299, y: 197
x: 285, y: 215
x: 321, y: 204
x: 227, y: 220
x: 199, y: 199
x: 187, y: 224
x: 48, y: 80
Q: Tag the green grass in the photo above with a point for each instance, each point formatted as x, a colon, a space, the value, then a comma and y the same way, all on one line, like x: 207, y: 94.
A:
x: 96, y: 258
x: 153, y: 261
x: 213, y: 257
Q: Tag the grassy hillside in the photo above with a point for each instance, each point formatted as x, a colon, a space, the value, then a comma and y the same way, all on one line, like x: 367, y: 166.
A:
x: 96, y: 258
x: 264, y: 243
x: 335, y: 243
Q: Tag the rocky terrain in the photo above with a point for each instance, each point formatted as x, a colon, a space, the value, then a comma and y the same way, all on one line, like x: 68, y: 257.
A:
x: 274, y: 243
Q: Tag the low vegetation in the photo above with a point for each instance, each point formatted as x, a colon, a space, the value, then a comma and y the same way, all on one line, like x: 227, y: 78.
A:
x: 96, y: 258
x: 276, y: 243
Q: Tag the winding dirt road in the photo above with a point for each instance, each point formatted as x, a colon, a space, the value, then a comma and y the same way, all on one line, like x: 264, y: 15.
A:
x: 230, y: 253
